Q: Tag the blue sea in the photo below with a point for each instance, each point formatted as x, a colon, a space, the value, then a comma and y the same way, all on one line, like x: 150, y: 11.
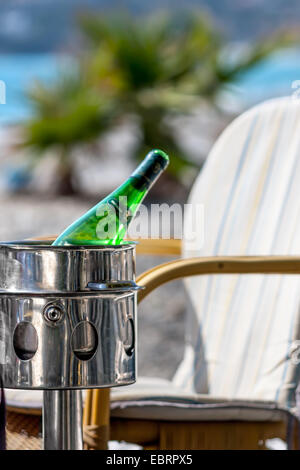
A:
x: 278, y: 75
x: 273, y: 77
x: 19, y: 72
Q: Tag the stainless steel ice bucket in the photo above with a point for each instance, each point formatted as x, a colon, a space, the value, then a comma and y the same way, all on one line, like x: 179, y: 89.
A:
x: 67, y: 316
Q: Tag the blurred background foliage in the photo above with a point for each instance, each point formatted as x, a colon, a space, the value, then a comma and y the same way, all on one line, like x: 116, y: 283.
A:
x: 149, y: 68
x: 66, y: 114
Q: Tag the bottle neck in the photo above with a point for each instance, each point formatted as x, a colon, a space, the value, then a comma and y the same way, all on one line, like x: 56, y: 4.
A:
x: 148, y: 171
x: 131, y: 193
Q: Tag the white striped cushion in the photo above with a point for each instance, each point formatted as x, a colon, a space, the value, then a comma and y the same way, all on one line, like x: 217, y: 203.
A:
x: 241, y: 328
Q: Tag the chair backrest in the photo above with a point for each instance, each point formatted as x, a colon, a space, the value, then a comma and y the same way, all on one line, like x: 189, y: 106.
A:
x: 242, y: 330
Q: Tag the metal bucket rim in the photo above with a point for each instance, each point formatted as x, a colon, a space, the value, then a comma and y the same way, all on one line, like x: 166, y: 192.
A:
x: 35, y: 245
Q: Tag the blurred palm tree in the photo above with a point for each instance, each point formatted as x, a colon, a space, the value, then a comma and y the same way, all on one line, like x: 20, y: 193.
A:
x: 152, y: 68
x: 66, y: 115
x: 162, y: 66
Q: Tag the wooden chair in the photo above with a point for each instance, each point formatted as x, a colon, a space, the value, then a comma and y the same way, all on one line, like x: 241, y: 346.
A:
x: 236, y: 386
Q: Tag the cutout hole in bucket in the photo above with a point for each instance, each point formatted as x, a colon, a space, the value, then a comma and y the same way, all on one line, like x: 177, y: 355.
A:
x: 128, y: 340
x: 84, y: 341
x: 25, y: 341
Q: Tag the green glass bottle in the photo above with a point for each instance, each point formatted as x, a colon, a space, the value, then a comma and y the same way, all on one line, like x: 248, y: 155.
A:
x: 107, y: 222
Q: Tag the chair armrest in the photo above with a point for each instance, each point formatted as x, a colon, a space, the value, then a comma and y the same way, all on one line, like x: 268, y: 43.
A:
x: 158, y: 246
x: 177, y: 269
